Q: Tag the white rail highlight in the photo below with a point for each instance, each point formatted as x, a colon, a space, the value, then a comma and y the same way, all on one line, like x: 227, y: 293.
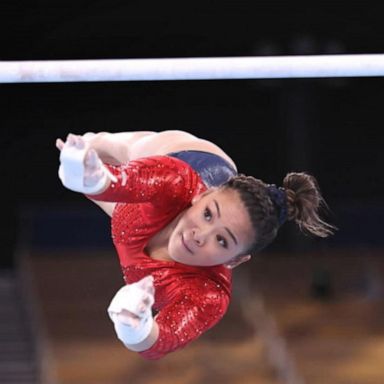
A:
x: 218, y: 68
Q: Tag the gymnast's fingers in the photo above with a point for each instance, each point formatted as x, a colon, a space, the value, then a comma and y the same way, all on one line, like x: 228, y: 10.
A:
x: 70, y: 139
x: 129, y: 318
x: 79, y: 142
x: 145, y: 303
x: 91, y: 160
x: 59, y: 144
x: 147, y: 284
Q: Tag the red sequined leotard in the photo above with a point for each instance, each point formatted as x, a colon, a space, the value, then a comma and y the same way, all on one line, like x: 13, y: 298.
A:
x: 188, y: 300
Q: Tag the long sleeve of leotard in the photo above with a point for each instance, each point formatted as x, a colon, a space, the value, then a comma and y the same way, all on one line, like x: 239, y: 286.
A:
x: 146, y: 179
x: 198, y: 307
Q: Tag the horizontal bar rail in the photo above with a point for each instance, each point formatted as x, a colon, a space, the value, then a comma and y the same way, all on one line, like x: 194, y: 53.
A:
x: 215, y: 68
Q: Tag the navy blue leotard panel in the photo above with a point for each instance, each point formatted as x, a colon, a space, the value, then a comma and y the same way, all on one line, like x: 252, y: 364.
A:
x: 213, y: 169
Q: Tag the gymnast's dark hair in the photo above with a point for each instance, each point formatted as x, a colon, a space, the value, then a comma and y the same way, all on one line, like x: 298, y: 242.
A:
x: 298, y: 200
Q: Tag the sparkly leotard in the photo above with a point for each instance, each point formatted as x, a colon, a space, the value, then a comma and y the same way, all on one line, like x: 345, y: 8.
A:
x: 188, y: 300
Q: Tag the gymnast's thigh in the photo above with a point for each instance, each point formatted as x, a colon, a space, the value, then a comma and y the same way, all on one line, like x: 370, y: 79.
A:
x: 170, y: 141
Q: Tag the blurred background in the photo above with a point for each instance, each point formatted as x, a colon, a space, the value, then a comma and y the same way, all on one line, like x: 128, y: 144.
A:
x: 306, y: 310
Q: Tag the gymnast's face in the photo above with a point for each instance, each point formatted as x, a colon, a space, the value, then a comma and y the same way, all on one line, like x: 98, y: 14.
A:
x: 214, y: 230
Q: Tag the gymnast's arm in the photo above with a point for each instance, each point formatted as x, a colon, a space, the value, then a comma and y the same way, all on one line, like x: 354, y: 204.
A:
x: 144, y: 180
x: 151, y: 179
x: 199, y: 307
x: 183, y: 319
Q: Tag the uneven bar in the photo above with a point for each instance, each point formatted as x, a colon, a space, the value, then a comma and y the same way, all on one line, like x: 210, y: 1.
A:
x: 217, y: 68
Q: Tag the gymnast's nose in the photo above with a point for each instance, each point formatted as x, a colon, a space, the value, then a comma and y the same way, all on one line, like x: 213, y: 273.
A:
x: 199, y: 235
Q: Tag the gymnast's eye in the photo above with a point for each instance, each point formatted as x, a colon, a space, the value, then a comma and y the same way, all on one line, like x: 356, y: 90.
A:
x: 222, y: 241
x: 207, y: 214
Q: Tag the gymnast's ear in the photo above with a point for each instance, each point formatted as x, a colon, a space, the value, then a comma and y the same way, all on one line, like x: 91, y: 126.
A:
x: 236, y: 261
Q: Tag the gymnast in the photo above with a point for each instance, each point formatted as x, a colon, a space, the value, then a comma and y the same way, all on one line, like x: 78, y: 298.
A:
x: 182, y: 218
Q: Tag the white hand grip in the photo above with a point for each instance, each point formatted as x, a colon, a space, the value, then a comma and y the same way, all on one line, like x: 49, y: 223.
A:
x: 130, y: 298
x: 72, y: 170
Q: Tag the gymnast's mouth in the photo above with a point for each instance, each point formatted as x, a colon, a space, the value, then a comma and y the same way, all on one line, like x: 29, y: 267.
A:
x: 185, y: 245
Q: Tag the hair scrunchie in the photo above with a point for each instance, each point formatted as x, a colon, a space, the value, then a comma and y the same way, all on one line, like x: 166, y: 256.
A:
x: 278, y: 197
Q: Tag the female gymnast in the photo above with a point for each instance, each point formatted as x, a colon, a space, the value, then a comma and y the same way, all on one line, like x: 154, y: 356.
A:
x: 182, y: 218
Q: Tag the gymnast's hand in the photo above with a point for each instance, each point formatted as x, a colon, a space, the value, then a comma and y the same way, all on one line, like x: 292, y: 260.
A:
x: 87, y: 138
x: 81, y: 169
x: 130, y: 311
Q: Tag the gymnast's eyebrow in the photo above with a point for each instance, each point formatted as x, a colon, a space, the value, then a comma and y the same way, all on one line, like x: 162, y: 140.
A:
x: 219, y: 214
x: 217, y: 208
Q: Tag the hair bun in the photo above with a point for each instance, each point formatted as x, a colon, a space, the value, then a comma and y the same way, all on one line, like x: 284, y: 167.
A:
x: 304, y: 201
